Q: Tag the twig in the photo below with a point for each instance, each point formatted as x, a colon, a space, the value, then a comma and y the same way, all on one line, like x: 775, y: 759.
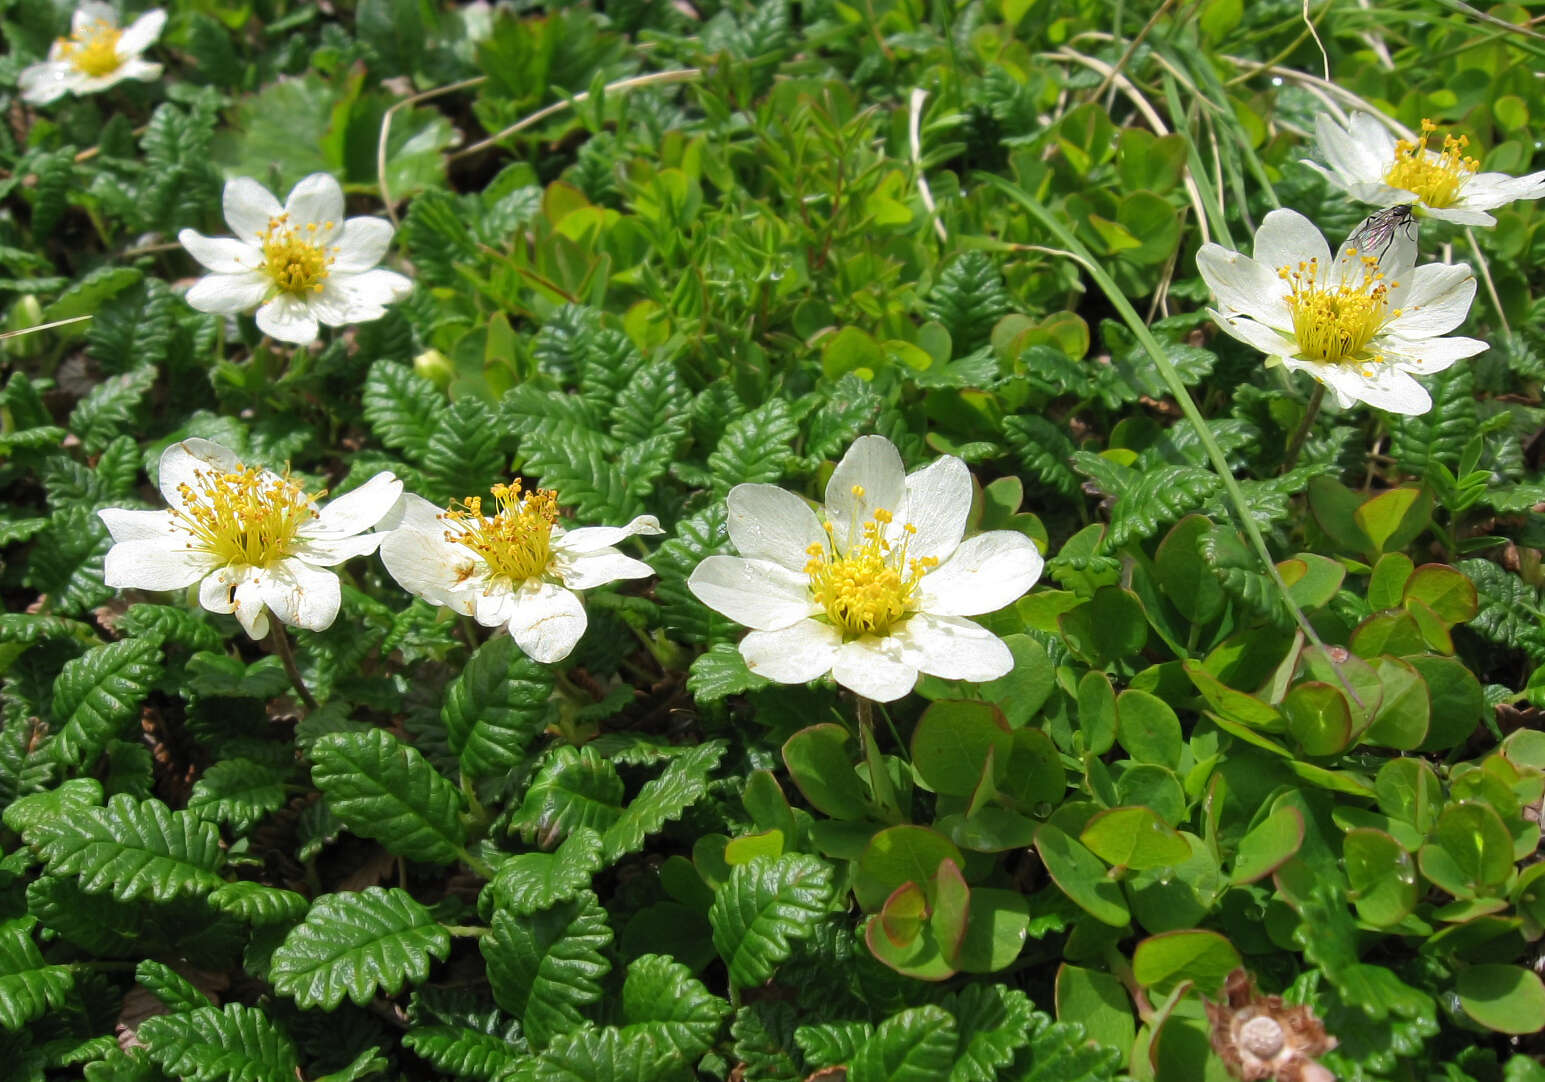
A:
x: 915, y: 141
x: 43, y: 327
x: 386, y: 128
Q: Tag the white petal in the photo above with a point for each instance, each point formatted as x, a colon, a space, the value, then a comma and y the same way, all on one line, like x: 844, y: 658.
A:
x: 1382, y: 386
x: 1271, y: 342
x: 132, y: 68
x: 181, y: 463
x: 1425, y: 356
x: 357, y: 510
x: 872, y: 466
x: 938, y: 502
x: 228, y: 294
x: 316, y: 200
x: 361, y: 243
x: 595, y: 538
x: 757, y: 593
x: 1286, y: 238
x: 328, y: 553
x: 598, y: 568
x: 417, y: 555
x: 248, y: 207
x: 288, y: 319
x: 141, y: 33
x: 495, y: 605
x: 873, y: 667
x: 46, y: 82
x: 953, y: 648
x: 414, y: 512
x: 796, y: 654
x: 1364, y: 150
x: 547, y: 621
x: 92, y: 11
x: 1243, y: 285
x: 127, y: 525
x: 154, y: 564
x: 1460, y: 216
x: 1487, y: 190
x: 987, y: 572
x: 223, y: 255
x: 770, y: 523
x: 358, y: 298
x: 236, y: 590
x: 1437, y: 302
x: 301, y: 595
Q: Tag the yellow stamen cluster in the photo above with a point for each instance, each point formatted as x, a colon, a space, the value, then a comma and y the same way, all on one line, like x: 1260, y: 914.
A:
x: 246, y: 517
x: 516, y: 542
x: 293, y: 258
x: 93, y: 49
x: 869, y: 587
x: 1335, y: 322
x: 1436, y: 176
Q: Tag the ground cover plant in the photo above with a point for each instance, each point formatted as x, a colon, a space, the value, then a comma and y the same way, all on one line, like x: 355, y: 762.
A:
x: 973, y: 540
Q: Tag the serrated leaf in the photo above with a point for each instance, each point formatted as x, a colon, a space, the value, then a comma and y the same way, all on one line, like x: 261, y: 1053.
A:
x: 683, y: 781
x: 763, y: 1035
x: 496, y: 707
x: 258, y: 904
x: 683, y: 616
x: 98, y: 694
x: 175, y: 991
x: 109, y: 407
x: 995, y: 1022
x: 239, y: 792
x: 131, y: 849
x: 462, y: 456
x: 357, y: 944
x: 1043, y: 450
x: 384, y: 789
x: 544, y: 966
x: 166, y: 623
x: 463, y: 1052
x: 1511, y: 612
x: 917, y: 1045
x: 575, y: 787
x: 969, y: 298
x: 235, y: 1042
x: 531, y: 881
x: 29, y: 988
x: 1060, y: 1052
x: 401, y: 407
x: 721, y: 672
x: 1440, y: 434
x: 604, y: 1055
x: 764, y: 905
x: 756, y: 447
x: 662, y: 993
x: 1161, y: 496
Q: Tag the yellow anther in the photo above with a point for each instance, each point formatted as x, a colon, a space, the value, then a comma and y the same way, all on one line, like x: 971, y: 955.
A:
x: 93, y: 49
x: 515, y: 542
x: 293, y: 261
x: 1335, y: 322
x: 858, y: 492
x: 245, y: 517
x: 866, y: 589
x: 1435, y: 176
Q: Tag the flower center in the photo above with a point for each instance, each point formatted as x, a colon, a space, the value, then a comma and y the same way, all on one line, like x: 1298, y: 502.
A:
x: 248, y: 517
x: 292, y: 258
x: 516, y: 542
x: 870, y: 586
x: 1262, y: 1036
x: 1334, y: 322
x: 1436, y: 176
x: 93, y: 49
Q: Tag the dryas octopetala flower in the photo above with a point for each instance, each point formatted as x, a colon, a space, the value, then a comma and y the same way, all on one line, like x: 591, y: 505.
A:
x: 1361, y: 323
x: 95, y: 56
x: 1259, y: 1037
x: 878, y: 592
x: 1372, y: 166
x: 516, y: 567
x: 254, y: 541
x: 298, y: 264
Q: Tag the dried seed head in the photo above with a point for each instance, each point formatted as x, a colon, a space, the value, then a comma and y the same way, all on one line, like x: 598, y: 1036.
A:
x: 1259, y: 1037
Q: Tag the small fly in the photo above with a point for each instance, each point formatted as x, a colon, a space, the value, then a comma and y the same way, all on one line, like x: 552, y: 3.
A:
x: 1377, y: 231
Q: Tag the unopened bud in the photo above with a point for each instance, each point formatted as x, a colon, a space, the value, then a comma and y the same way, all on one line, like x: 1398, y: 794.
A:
x: 434, y: 366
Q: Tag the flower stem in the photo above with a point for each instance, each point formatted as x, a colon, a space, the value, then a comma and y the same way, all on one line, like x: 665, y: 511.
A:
x: 279, y: 639
x: 879, y: 778
x: 1301, y: 433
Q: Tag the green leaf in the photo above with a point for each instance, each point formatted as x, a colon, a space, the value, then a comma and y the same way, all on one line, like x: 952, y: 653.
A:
x: 604, y: 1055
x: 1081, y: 876
x: 721, y: 672
x: 496, y: 707
x: 239, y: 792
x: 683, y: 616
x: 575, y: 787
x: 357, y: 944
x: 175, y: 991
x: 381, y: 788
x: 401, y: 407
x: 661, y: 996
x: 211, y: 1044
x: 1044, y: 451
x: 969, y: 298
x: 917, y: 1045
x: 1202, y: 957
x: 756, y: 447
x: 258, y: 904
x: 1160, y: 496
x: 463, y: 1052
x: 462, y: 455
x: 1134, y: 838
x: 97, y: 696
x: 544, y: 966
x: 532, y: 881
x: 680, y: 785
x: 1504, y: 998
x: 995, y: 1022
x: 131, y: 849
x: 762, y: 907
x: 108, y: 408
x: 28, y: 987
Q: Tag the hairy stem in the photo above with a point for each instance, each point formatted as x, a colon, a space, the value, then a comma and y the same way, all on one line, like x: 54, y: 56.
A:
x: 279, y: 639
x: 1301, y: 433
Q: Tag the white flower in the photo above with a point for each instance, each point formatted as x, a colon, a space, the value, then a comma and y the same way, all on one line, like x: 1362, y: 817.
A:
x: 517, y: 567
x: 96, y: 55
x: 878, y: 592
x: 1371, y: 165
x: 297, y: 264
x: 254, y: 541
x: 1360, y: 324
